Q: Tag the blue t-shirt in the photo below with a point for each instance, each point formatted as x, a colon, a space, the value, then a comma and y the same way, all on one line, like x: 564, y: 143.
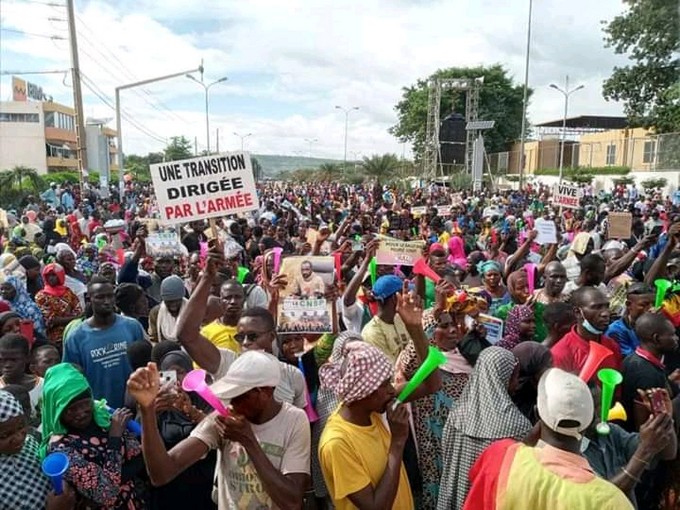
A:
x: 624, y: 335
x: 102, y: 354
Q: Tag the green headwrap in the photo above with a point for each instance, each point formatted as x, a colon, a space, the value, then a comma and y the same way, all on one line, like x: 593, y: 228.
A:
x: 63, y: 382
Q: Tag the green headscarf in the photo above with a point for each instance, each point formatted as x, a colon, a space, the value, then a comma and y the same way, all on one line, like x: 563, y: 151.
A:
x: 63, y: 382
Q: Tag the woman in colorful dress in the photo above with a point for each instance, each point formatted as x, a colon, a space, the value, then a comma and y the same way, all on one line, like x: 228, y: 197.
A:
x: 493, y: 289
x: 58, y: 304
x: 430, y: 412
x: 105, y: 461
x: 14, y: 292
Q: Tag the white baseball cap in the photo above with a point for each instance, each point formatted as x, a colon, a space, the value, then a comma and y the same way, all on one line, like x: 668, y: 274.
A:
x: 252, y: 369
x: 564, y: 396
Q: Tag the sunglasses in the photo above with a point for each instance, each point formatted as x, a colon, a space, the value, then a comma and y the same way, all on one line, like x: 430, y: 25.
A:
x: 249, y: 337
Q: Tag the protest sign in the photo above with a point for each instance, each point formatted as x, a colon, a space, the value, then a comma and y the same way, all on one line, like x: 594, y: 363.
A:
x: 392, y: 252
x: 204, y: 187
x: 419, y: 210
x: 547, y: 231
x: 567, y: 195
x: 302, y: 306
x: 620, y: 225
x: 493, y: 326
x: 165, y: 244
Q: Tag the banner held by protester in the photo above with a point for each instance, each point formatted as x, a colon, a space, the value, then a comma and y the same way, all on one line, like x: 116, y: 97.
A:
x: 204, y: 187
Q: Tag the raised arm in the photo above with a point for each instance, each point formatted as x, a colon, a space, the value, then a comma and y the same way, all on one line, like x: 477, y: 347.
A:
x: 161, y: 465
x: 201, y: 350
x: 658, y: 269
x: 350, y: 295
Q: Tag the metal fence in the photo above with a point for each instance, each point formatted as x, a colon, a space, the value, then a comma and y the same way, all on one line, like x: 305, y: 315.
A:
x: 654, y: 153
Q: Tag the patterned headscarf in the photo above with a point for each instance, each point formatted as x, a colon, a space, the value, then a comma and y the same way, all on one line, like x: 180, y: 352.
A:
x: 9, y: 407
x: 362, y: 371
x: 485, y: 409
x: 488, y: 265
x: 517, y: 314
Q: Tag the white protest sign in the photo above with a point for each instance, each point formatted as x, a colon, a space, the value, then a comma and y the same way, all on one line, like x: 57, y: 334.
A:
x: 493, y: 326
x: 547, y: 231
x: 567, y: 195
x: 204, y: 187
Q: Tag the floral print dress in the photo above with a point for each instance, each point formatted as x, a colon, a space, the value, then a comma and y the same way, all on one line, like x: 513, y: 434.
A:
x: 429, y: 417
x: 104, y: 472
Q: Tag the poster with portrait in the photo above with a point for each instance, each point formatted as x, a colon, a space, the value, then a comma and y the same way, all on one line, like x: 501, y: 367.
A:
x: 303, y: 307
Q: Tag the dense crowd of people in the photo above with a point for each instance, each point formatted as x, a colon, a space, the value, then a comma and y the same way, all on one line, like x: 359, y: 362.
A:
x: 100, y: 324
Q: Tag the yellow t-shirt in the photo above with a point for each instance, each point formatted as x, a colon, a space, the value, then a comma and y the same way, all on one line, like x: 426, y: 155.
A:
x: 353, y: 457
x: 389, y: 338
x: 221, y: 335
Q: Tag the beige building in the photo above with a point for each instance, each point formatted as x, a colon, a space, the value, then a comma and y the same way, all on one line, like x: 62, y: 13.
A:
x: 592, y: 142
x: 39, y: 133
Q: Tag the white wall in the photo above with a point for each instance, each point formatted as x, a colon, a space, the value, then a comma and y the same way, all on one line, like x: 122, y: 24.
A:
x: 23, y: 143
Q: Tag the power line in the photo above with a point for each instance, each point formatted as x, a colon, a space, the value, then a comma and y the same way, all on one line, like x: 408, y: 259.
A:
x: 108, y: 102
x: 32, y: 34
x: 153, y: 101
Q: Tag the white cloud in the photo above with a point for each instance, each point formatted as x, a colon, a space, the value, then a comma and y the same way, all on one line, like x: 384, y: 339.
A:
x: 291, y: 62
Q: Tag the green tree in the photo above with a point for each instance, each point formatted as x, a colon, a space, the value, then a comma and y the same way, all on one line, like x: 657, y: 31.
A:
x: 178, y: 148
x: 499, y: 99
x: 20, y: 177
x: 329, y: 171
x: 648, y: 32
x: 381, y: 167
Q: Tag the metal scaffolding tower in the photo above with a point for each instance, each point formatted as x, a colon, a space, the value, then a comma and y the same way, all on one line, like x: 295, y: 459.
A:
x: 432, y: 158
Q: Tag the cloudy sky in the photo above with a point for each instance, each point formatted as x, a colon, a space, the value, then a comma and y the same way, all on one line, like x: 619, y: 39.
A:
x: 289, y: 62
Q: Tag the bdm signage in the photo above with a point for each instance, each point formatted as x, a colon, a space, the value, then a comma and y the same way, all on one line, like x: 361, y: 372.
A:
x: 23, y: 90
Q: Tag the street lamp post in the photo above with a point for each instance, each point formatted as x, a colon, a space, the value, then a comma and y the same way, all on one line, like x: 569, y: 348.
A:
x: 525, y: 99
x: 242, y: 137
x: 311, y: 141
x: 207, y: 103
x: 347, y: 112
x: 566, y: 93
x: 121, y: 170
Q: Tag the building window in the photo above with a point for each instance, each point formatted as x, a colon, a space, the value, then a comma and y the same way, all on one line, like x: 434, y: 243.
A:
x: 503, y: 158
x: 611, y: 154
x: 19, y: 117
x: 49, y: 119
x: 63, y: 152
x: 649, y: 151
x: 59, y: 120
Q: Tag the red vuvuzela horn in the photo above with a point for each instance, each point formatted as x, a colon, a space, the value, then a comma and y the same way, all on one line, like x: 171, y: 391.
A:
x: 596, y: 355
x: 421, y: 268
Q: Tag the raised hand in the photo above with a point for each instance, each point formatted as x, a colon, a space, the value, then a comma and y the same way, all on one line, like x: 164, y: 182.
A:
x: 144, y: 385
x: 410, y: 307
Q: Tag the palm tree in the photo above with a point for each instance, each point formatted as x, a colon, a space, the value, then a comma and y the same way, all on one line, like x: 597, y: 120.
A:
x: 380, y: 167
x: 19, y: 174
x: 328, y: 171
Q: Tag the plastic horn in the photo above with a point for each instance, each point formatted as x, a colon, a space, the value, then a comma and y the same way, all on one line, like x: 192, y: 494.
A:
x: 373, y: 270
x: 242, y: 273
x: 531, y: 276
x: 421, y: 268
x: 133, y: 426
x: 662, y: 287
x: 618, y: 412
x: 312, y: 416
x: 596, y: 355
x: 277, y: 258
x: 609, y: 378
x: 195, y: 381
x: 54, y: 466
x: 434, y: 359
x: 337, y: 257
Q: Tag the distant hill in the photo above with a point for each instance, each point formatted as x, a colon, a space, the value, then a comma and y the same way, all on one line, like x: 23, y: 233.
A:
x: 273, y: 165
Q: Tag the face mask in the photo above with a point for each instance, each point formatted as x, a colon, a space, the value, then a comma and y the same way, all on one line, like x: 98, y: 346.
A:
x: 589, y: 327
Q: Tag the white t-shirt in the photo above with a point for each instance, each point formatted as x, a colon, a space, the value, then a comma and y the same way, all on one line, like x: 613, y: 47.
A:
x: 291, y: 388
x: 285, y: 439
x: 352, y: 316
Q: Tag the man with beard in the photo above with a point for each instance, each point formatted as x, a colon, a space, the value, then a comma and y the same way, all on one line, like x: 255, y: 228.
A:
x: 592, y: 320
x: 555, y: 277
x: 310, y: 285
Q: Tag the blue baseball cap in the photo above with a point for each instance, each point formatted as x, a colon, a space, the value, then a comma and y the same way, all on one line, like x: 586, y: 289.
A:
x: 387, y: 286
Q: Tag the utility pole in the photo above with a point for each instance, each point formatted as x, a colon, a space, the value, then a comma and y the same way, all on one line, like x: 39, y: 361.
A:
x: 217, y: 141
x: 77, y: 95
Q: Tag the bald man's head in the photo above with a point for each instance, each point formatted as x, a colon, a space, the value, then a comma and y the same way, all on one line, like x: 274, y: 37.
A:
x: 555, y: 276
x: 656, y: 333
